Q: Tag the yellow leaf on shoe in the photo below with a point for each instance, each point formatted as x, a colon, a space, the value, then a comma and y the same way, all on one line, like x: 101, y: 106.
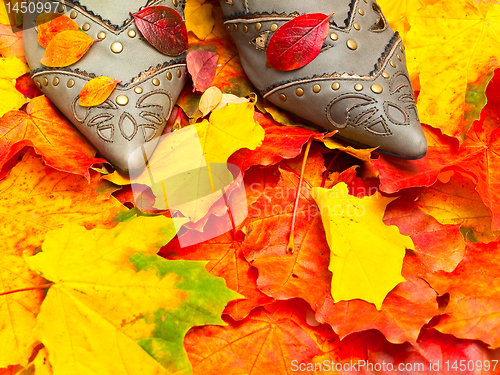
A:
x: 199, y: 18
x: 366, y: 255
x: 96, y: 91
x: 66, y: 48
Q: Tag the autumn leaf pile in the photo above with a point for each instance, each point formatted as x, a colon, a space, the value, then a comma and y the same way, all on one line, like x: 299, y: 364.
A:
x: 346, y: 256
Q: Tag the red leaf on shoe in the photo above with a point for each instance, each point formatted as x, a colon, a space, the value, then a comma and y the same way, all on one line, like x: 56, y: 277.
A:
x: 202, y: 66
x: 163, y: 28
x: 298, y: 41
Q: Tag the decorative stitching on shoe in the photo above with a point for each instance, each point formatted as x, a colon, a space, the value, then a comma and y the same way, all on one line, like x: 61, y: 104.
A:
x: 151, y: 117
x: 387, y: 51
x: 100, y: 128
x: 75, y: 112
x: 364, y: 117
x: 108, y: 104
x: 387, y: 131
x: 152, y: 135
x: 99, y: 119
x: 347, y: 21
x: 141, y: 100
x: 144, y: 75
x: 413, y: 109
x: 392, y: 116
x: 259, y: 16
x: 406, y: 98
x: 123, y: 117
x: 360, y: 100
x: 399, y: 86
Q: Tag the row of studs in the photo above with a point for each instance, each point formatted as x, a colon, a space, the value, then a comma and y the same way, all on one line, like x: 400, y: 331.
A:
x: 116, y: 47
x: 274, y: 27
x: 351, y: 43
x: 120, y: 99
x: 376, y: 88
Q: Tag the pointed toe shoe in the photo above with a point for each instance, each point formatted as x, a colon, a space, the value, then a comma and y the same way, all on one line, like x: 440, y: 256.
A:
x: 358, y: 84
x: 150, y: 82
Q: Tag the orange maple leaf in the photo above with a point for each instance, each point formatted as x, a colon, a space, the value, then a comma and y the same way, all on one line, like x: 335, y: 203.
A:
x: 50, y: 133
x: 479, y: 155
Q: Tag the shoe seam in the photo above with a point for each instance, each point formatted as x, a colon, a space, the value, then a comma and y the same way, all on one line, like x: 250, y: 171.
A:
x: 105, y: 22
x: 378, y: 67
x: 151, y: 71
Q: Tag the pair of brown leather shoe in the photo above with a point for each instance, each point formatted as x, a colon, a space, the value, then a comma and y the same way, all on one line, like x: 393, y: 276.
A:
x: 358, y: 84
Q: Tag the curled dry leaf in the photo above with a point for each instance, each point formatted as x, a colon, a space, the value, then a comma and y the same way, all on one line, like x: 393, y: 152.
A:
x: 163, y: 28
x: 202, y: 66
x: 96, y: 91
x: 66, y: 48
x: 230, y: 98
x: 51, y: 24
x: 210, y: 100
x: 298, y: 41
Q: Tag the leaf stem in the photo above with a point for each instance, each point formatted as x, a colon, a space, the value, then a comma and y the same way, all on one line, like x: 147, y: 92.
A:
x: 327, y: 172
x: 291, y: 245
x: 44, y: 286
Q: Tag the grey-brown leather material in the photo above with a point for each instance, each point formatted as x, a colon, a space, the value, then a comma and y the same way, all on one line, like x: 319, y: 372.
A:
x: 387, y: 120
x: 144, y: 117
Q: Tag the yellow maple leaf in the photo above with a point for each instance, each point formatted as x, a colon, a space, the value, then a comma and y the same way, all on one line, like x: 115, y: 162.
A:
x: 366, y: 255
x: 117, y: 308
x: 10, y: 69
x: 33, y: 202
x: 230, y: 128
x: 199, y: 18
x: 453, y: 46
x: 396, y: 11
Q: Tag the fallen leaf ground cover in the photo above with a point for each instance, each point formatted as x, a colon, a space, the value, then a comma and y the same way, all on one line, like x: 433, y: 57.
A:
x: 395, y: 263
